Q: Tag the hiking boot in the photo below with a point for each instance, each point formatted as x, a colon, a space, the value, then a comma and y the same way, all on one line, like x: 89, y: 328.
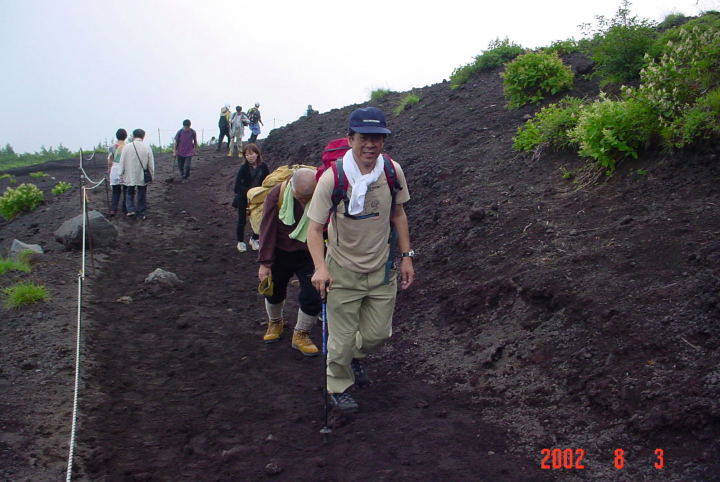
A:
x: 130, y: 213
x: 361, y: 376
x: 254, y: 244
x: 274, y: 331
x: 242, y: 247
x: 301, y: 341
x: 343, y: 402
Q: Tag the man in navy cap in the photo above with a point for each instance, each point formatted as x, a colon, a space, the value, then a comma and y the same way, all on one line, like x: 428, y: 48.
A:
x: 358, y: 273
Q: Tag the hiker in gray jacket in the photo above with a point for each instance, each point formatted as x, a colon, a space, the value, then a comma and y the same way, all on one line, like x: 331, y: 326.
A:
x: 135, y: 158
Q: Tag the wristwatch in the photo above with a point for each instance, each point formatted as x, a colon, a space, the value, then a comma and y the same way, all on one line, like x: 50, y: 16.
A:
x: 409, y: 254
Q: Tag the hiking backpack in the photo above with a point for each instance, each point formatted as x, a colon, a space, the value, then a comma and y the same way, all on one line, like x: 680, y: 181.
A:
x: 256, y: 195
x: 253, y: 115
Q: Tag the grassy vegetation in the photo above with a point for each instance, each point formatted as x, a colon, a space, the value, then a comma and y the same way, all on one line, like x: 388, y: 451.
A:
x: 378, y: 94
x: 497, y: 53
x: 9, y: 158
x: 11, y: 265
x: 39, y: 174
x: 405, y: 102
x: 24, y: 293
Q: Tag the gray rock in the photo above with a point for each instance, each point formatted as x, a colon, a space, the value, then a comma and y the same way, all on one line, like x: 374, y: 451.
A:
x: 101, y: 233
x: 163, y: 277
x: 11, y: 249
x: 273, y: 469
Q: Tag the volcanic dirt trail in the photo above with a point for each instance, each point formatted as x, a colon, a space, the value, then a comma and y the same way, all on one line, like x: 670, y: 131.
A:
x: 179, y: 385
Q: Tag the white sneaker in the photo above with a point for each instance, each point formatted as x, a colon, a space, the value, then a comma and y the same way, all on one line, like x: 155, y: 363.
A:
x: 254, y: 244
x: 242, y: 247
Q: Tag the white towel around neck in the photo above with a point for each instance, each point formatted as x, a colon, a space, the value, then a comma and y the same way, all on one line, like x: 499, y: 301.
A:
x: 359, y: 182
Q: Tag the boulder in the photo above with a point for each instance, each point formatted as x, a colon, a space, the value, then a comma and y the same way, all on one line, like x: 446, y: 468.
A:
x: 160, y: 276
x: 101, y: 233
x: 12, y: 249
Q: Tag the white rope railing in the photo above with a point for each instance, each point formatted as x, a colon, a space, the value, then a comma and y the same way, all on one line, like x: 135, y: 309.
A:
x: 81, y: 279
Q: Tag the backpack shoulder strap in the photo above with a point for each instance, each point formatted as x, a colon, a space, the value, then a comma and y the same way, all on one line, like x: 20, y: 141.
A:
x: 339, y: 192
x: 281, y: 194
x: 391, y: 176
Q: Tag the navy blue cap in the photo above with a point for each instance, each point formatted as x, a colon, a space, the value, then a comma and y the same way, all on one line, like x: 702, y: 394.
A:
x: 368, y: 120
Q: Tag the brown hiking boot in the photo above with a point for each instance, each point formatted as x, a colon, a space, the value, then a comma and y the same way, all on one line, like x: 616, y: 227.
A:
x: 274, y: 331
x: 301, y: 341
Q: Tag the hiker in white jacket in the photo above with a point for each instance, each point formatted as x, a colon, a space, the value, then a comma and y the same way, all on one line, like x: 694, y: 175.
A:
x: 135, y: 158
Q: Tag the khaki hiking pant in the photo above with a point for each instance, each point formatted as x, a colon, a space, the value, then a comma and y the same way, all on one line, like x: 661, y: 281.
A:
x: 359, y: 311
x: 236, y: 142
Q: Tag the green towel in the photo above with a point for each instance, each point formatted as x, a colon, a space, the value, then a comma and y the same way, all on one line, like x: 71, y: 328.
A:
x: 287, y: 215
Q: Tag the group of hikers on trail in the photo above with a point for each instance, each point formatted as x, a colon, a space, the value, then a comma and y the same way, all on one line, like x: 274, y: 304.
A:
x: 341, y: 231
x: 232, y: 126
x: 131, y: 167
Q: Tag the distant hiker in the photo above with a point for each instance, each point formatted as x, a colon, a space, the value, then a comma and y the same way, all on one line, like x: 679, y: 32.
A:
x: 238, y: 121
x: 359, y: 270
x: 118, y: 188
x: 135, y: 158
x: 224, y: 125
x: 184, y: 148
x: 251, y: 174
x: 255, y: 121
x: 310, y: 111
x: 284, y: 254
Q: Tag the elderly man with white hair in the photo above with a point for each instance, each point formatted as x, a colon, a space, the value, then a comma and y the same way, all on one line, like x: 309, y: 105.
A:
x: 284, y: 254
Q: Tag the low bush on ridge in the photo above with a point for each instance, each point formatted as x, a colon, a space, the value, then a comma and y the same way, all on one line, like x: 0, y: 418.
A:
x: 408, y: 100
x: 497, y: 53
x: 378, y: 94
x: 677, y: 102
x: 618, y: 45
x: 531, y: 77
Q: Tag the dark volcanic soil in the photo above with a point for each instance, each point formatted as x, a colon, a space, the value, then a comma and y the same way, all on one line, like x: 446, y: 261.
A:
x: 547, y: 314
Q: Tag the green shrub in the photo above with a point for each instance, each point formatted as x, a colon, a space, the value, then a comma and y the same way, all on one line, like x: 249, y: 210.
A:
x: 6, y: 176
x: 10, y: 265
x: 408, y: 100
x: 674, y: 84
x: 609, y: 131
x: 378, y: 94
x: 498, y: 52
x: 26, y: 197
x: 532, y: 76
x: 671, y: 21
x: 551, y: 125
x: 38, y: 174
x: 61, y: 187
x: 700, y: 122
x: 619, y: 44
x: 23, y: 294
x: 563, y: 47
x: 664, y: 43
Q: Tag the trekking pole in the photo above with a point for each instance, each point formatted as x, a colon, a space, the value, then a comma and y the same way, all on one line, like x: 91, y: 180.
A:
x: 325, y: 430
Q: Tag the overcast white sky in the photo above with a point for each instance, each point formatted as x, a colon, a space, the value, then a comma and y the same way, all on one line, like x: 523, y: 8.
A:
x: 76, y: 70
